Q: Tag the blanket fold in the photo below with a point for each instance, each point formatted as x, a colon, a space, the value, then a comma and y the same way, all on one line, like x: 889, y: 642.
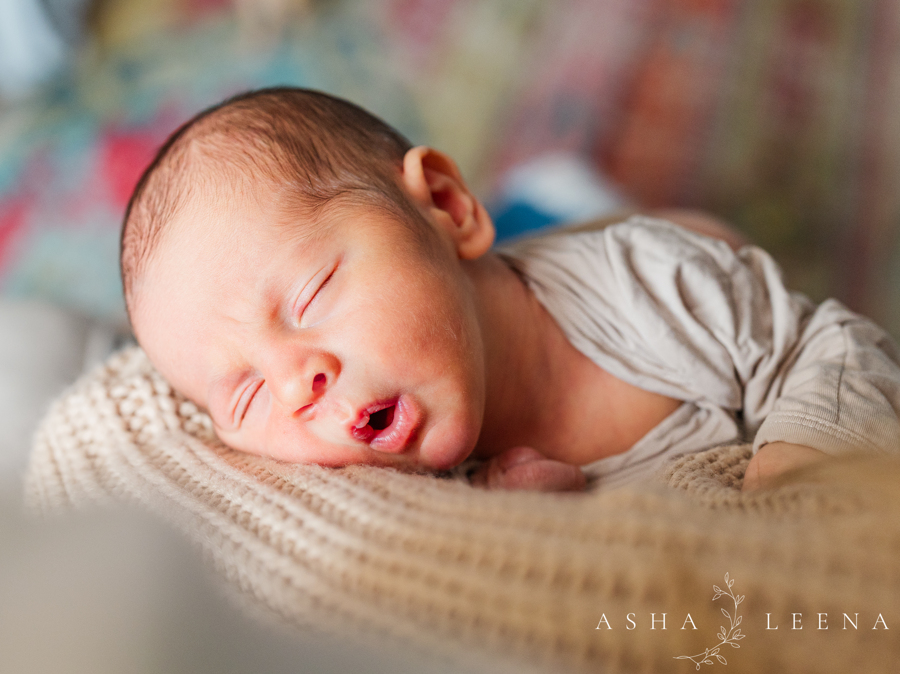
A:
x: 494, y: 580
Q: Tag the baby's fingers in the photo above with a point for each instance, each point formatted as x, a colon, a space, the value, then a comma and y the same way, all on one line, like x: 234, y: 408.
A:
x: 543, y: 475
x: 523, y: 468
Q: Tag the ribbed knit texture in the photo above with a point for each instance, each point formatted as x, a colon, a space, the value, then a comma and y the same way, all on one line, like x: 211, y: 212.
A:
x: 479, y: 577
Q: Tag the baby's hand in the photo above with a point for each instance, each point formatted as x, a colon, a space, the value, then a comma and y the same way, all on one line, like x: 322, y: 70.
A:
x: 526, y: 468
x: 777, y: 458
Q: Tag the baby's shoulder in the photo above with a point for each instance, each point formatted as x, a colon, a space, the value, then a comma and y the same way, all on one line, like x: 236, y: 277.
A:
x: 634, y: 236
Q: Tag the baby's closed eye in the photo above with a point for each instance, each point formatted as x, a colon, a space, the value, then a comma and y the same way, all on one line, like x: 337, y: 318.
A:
x: 311, y: 307
x: 248, y: 399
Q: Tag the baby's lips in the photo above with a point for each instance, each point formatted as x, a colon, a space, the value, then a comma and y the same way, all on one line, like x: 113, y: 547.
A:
x: 398, y: 434
x: 360, y: 430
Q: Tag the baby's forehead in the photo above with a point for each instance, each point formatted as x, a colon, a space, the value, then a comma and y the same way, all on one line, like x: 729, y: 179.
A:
x: 219, y: 238
x: 219, y: 229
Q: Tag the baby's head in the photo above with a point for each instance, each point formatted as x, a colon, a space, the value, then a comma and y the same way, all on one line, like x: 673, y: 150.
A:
x: 296, y: 268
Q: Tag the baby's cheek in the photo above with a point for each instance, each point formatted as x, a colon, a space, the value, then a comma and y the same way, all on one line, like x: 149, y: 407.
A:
x: 449, y: 441
x: 235, y: 440
x: 252, y: 437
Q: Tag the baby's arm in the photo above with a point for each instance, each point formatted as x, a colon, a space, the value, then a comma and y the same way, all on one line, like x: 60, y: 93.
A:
x: 775, y: 459
x: 524, y: 468
x: 839, y: 392
x: 805, y: 378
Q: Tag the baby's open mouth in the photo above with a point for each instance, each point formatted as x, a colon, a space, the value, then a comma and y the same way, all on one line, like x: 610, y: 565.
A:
x: 387, y: 426
x: 382, y: 418
x: 374, y: 420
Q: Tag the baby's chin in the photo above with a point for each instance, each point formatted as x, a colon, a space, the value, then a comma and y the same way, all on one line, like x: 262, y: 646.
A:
x: 447, y: 444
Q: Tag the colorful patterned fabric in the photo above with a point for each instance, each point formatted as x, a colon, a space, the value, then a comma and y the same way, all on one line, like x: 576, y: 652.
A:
x: 70, y: 158
x: 780, y: 116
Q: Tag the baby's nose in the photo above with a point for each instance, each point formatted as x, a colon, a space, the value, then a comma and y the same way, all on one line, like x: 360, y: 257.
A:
x: 305, y: 384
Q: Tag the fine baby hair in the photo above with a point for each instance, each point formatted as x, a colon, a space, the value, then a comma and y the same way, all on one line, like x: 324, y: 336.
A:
x: 303, y: 148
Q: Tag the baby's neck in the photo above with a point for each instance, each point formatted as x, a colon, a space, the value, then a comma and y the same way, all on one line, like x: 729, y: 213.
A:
x: 541, y: 391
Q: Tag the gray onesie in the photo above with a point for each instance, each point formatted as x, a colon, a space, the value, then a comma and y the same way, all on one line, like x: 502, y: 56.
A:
x: 683, y: 315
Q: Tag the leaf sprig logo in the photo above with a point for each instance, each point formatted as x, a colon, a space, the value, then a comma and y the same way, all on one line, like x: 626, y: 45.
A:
x: 729, y: 636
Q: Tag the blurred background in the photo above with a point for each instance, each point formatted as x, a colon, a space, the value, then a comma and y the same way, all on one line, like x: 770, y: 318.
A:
x: 780, y: 116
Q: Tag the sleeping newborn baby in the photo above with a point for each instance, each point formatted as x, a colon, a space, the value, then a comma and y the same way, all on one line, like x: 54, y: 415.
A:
x: 329, y: 294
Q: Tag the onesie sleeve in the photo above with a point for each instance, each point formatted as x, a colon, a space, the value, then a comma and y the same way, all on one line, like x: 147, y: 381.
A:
x: 840, y: 389
x: 820, y: 376
x: 684, y: 315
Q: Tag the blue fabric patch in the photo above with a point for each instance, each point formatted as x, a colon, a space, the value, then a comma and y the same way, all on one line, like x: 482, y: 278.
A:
x: 513, y: 219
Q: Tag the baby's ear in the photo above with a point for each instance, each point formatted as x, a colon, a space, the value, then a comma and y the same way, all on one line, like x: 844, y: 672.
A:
x: 434, y: 183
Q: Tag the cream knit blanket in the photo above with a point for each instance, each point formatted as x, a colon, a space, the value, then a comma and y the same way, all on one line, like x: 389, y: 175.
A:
x: 539, y: 582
